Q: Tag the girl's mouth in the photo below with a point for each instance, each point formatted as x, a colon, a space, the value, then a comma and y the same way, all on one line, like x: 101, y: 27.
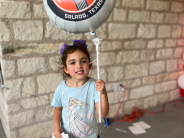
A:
x: 80, y: 72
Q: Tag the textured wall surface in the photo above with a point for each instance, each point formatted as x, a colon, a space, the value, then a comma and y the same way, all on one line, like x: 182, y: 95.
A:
x: 142, y: 48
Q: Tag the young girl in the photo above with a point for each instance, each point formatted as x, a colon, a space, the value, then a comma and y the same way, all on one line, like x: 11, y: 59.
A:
x: 75, y: 98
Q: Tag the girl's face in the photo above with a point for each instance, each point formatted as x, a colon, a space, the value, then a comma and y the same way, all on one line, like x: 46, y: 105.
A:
x: 77, y: 65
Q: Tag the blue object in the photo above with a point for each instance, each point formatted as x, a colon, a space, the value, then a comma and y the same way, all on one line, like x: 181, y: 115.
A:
x: 106, y: 119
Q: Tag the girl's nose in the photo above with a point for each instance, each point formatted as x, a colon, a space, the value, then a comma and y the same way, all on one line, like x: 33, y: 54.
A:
x: 79, y: 65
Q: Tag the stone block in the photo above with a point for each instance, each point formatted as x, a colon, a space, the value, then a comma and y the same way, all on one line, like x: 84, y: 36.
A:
x: 138, y: 16
x: 156, y: 100
x: 178, y: 52
x: 13, y: 134
x: 102, y: 74
x: 102, y: 31
x: 46, y: 48
x: 172, y: 65
x: 51, y: 96
x: 4, y: 32
x: 110, y: 46
x: 181, y: 42
x: 39, y: 11
x: 136, y: 70
x: 45, y: 130
x: 116, y: 97
x: 180, y: 64
x: 48, y: 83
x: 132, y: 83
x: 130, y: 104
x: 121, y: 31
x: 157, y: 17
x: 20, y: 119
x: 176, y: 6
x: 110, y: 18
x: 164, y: 31
x: 147, y: 55
x: 141, y: 92
x: 181, y: 19
x: 107, y: 59
x: 28, y: 88
x: 55, y: 33
x: 146, y: 31
x: 175, y: 95
x: 12, y: 108
x: 12, y: 9
x: 28, y: 30
x: 154, y: 79
x: 14, y: 89
x: 120, y: 14
x: 158, y: 5
x: 54, y: 63
x: 171, y: 18
x: 109, y: 87
x: 118, y: 3
x: 128, y: 57
x: 21, y: 50
x: 136, y: 44
x: 112, y: 110
x: 182, y: 34
x: 150, y: 101
x: 115, y: 73
x: 174, y: 76
x: 155, y: 44
x: 170, y: 42
x: 157, y: 67
x: 34, y: 102
x: 166, y: 86
x: 91, y: 47
x: 164, y: 53
x: 133, y: 3
x: 8, y: 69
x: 31, y: 66
x: 176, y: 31
x: 45, y: 113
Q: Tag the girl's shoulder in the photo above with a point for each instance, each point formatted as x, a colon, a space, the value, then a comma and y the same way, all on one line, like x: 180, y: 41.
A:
x: 61, y: 85
x: 92, y: 80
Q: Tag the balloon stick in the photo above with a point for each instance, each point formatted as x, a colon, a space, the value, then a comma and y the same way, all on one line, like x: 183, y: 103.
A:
x: 96, y: 42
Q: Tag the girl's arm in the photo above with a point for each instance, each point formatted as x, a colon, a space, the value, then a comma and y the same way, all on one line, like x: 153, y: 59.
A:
x: 100, y: 86
x: 56, y: 122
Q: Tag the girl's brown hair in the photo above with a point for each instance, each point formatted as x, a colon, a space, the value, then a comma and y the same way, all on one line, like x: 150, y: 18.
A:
x: 69, y: 50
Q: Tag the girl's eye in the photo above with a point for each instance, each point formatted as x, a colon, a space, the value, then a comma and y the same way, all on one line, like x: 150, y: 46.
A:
x: 72, y: 63
x: 84, y: 61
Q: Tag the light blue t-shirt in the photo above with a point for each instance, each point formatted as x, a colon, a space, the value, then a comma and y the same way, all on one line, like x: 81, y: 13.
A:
x: 78, y: 114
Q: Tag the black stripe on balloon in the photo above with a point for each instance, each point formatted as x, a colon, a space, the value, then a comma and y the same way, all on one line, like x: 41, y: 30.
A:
x: 76, y: 16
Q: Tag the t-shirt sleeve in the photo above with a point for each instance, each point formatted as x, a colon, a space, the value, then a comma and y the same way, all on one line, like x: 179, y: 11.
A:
x: 56, y: 101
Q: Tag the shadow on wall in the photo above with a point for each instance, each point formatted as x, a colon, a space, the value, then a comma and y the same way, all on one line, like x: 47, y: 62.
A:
x: 1, y: 77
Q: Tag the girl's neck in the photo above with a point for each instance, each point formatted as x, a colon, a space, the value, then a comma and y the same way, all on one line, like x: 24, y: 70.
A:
x: 76, y: 83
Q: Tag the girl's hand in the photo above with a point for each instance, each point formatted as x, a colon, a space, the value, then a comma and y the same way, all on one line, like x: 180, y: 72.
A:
x: 100, y: 86
x: 57, y: 134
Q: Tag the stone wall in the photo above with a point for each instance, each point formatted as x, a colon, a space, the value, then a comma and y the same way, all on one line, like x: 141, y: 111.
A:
x: 142, y: 48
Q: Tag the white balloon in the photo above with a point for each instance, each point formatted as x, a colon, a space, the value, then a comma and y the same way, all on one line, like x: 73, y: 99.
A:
x: 181, y: 81
x: 79, y: 16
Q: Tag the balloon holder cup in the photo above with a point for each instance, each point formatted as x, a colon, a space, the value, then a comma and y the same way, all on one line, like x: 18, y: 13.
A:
x: 106, y: 126
x: 182, y: 92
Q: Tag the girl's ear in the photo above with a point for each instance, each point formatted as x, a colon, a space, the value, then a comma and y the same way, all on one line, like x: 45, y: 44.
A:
x: 90, y: 66
x: 65, y: 69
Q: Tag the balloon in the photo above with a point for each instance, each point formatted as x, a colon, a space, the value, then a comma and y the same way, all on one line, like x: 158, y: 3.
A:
x: 181, y: 81
x: 79, y: 16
